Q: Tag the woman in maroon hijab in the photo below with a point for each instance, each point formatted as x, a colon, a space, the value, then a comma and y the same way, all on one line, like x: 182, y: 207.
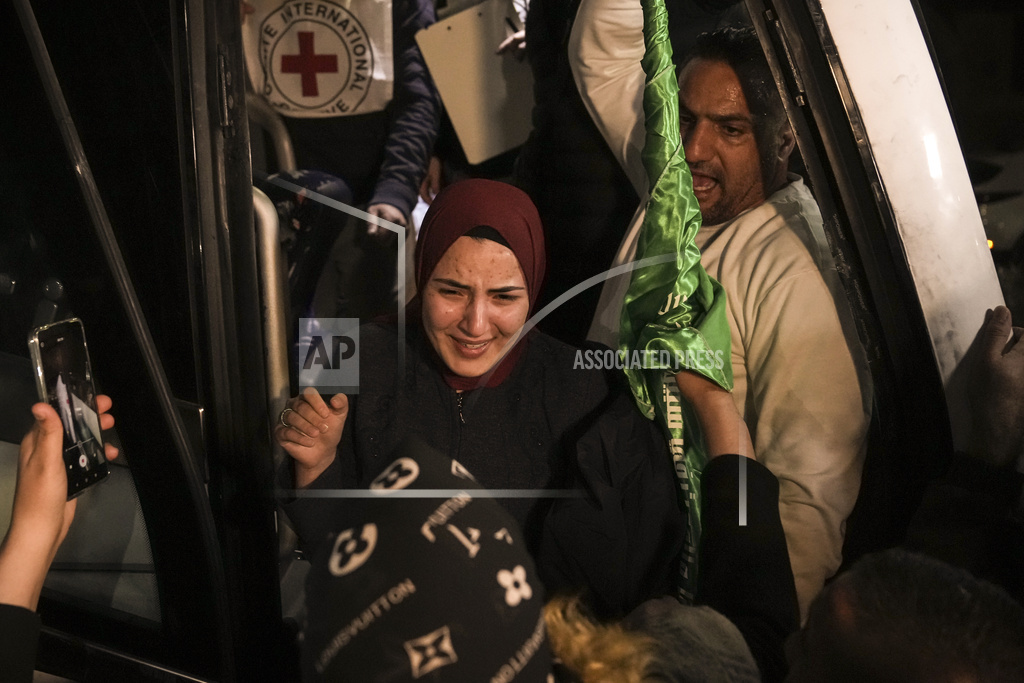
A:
x: 479, y: 266
x: 516, y: 410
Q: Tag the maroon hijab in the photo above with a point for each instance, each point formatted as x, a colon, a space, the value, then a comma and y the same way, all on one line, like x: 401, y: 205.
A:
x: 459, y: 208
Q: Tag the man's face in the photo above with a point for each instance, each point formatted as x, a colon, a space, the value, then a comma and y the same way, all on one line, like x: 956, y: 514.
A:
x: 718, y: 138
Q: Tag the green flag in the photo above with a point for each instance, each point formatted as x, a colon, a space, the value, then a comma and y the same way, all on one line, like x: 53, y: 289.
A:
x: 673, y: 310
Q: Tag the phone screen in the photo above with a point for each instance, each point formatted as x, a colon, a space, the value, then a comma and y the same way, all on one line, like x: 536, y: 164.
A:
x: 65, y: 382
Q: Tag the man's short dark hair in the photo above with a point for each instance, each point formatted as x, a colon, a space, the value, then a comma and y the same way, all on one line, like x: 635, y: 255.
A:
x: 739, y: 47
x: 941, y: 622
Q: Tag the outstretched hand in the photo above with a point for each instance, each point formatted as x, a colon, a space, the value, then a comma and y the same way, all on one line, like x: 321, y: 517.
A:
x: 42, y: 513
x: 309, y: 429
x: 996, y: 389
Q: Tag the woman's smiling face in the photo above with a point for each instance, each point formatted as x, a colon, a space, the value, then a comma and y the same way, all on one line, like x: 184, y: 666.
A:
x: 474, y: 303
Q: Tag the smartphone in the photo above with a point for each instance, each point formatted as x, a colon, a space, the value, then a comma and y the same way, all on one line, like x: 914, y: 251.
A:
x: 64, y: 380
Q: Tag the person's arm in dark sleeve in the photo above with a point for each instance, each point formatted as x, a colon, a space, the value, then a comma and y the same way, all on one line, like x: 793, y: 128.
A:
x: 971, y: 517
x: 311, y: 516
x: 414, y: 112
x: 745, y: 572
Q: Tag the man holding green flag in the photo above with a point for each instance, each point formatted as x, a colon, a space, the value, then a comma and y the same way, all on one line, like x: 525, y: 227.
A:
x: 800, y: 377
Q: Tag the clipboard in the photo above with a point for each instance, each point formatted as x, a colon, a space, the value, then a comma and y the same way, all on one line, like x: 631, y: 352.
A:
x: 489, y: 97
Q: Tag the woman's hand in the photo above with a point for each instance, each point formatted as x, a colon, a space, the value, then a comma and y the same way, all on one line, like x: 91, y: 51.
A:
x: 42, y: 512
x: 723, y: 428
x: 310, y: 430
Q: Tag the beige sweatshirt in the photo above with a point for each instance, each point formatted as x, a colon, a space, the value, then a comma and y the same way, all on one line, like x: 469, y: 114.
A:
x: 801, y: 375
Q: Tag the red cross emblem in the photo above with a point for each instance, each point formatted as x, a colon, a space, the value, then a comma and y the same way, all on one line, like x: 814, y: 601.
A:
x: 309, y: 64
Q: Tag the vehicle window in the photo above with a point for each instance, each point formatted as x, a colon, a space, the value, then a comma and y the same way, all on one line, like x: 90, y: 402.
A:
x: 52, y: 268
x: 134, y: 574
x: 146, y: 574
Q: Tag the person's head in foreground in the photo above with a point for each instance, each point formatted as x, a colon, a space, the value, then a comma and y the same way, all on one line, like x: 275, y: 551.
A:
x: 442, y: 588
x: 435, y: 588
x: 479, y: 265
x: 735, y: 133
x: 900, y: 616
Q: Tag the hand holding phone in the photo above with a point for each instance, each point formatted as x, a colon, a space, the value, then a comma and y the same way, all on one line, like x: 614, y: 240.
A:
x: 64, y: 380
x: 41, y: 513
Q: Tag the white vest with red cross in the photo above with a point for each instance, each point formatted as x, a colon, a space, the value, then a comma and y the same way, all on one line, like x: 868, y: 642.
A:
x: 320, y: 59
